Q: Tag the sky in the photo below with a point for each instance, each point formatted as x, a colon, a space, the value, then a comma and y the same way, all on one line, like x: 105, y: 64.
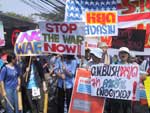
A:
x: 16, y: 6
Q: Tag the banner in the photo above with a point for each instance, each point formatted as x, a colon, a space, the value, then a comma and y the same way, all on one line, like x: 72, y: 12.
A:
x: 115, y: 81
x: 28, y: 43
x: 76, y: 11
x: 63, y: 38
x: 147, y: 88
x: 131, y: 38
x: 101, y: 23
x: 82, y: 101
x: 2, y: 39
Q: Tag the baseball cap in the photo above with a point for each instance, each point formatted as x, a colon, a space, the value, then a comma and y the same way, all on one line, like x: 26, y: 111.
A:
x: 124, y: 49
x: 97, y: 52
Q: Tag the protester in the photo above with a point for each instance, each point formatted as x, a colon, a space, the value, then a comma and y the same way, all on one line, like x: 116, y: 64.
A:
x: 34, y: 86
x: 115, y: 59
x: 83, y: 62
x: 65, y: 70
x: 106, y: 58
x: 132, y: 58
x: 10, y: 83
x: 96, y: 56
x: 123, y: 106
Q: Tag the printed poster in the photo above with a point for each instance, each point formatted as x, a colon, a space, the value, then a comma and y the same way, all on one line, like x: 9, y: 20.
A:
x: 82, y: 101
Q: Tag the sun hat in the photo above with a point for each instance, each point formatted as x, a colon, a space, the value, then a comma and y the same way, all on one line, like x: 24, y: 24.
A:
x: 97, y: 52
x: 124, y: 49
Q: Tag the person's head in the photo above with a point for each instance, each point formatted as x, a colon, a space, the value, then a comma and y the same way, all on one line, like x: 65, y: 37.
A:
x: 132, y: 58
x: 11, y: 58
x: 115, y: 58
x: 87, y: 54
x: 103, y: 46
x: 96, y: 55
x: 124, y: 54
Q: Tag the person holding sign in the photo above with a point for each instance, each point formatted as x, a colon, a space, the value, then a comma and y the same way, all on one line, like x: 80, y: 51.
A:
x: 123, y: 106
x: 34, y: 84
x: 10, y: 83
x: 66, y: 69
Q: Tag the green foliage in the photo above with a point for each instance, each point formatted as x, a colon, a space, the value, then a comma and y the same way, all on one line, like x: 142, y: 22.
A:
x: 12, y: 14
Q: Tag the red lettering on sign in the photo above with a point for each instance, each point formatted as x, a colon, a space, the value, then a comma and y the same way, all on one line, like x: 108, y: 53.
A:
x: 95, y: 82
x: 132, y: 5
x: 14, y: 36
x: 61, y: 48
x: 64, y: 28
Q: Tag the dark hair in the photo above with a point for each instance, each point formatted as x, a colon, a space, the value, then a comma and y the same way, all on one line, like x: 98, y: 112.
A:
x: 10, y: 57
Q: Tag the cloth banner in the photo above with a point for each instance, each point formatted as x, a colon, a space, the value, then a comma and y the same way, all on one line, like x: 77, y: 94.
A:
x: 82, y: 101
x: 76, y: 11
x: 63, y: 38
x: 29, y: 43
x: 2, y: 39
x: 115, y: 81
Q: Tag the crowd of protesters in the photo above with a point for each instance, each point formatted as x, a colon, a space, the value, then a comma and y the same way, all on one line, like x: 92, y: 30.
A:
x: 30, y: 75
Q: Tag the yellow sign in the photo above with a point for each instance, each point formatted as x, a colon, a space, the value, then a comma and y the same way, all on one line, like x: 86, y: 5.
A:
x: 147, y: 88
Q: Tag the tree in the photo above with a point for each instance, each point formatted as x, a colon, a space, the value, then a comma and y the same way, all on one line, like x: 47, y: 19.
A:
x: 12, y: 14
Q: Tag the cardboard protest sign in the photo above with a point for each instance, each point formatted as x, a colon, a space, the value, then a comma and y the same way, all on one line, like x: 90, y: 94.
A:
x: 101, y: 23
x: 131, y: 38
x: 63, y: 38
x: 28, y: 43
x: 2, y: 39
x: 82, y: 101
x: 147, y: 88
x: 115, y: 81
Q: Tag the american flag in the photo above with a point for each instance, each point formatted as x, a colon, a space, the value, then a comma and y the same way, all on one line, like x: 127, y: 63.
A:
x: 75, y: 9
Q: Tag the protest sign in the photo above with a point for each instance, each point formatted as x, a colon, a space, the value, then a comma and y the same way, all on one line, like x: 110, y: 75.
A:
x: 28, y: 43
x: 91, y: 42
x: 63, y: 38
x: 101, y: 23
x: 131, y: 38
x: 2, y: 39
x: 147, y: 88
x: 76, y: 11
x: 115, y: 81
x: 82, y: 101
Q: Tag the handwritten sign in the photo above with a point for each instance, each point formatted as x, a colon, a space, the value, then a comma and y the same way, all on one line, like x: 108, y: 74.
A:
x: 2, y: 39
x: 63, y: 38
x: 101, y: 23
x: 81, y: 100
x: 147, y: 88
x: 115, y: 81
x: 28, y: 43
